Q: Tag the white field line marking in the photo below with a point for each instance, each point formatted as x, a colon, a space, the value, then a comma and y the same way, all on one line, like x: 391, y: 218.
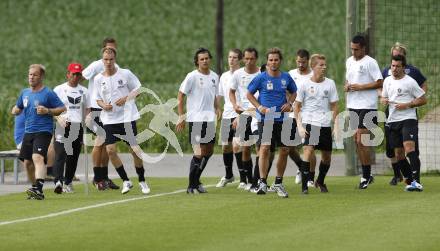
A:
x: 79, y: 209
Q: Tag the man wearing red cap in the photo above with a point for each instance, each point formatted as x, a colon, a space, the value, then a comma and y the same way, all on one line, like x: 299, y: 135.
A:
x: 69, y: 132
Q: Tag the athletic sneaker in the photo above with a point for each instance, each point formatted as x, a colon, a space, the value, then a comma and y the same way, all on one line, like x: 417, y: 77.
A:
x: 305, y: 191
x: 298, y: 177
x: 126, y: 186
x: 310, y: 183
x: 242, y: 185
x: 191, y: 190
x: 270, y: 188
x: 58, y: 187
x: 281, y: 191
x: 101, y: 185
x: 35, y: 194
x: 223, y: 181
x: 253, y: 190
x: 68, y: 188
x: 262, y: 188
x: 248, y: 187
x: 322, y: 187
x: 109, y: 183
x: 414, y: 187
x: 144, y: 187
x: 201, y: 189
x: 364, y: 182
x: 395, y: 180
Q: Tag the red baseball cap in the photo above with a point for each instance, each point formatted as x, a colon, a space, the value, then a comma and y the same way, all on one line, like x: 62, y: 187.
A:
x: 75, y: 68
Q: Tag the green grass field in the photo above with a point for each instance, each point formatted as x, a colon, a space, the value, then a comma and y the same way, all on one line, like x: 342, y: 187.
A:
x: 379, y: 218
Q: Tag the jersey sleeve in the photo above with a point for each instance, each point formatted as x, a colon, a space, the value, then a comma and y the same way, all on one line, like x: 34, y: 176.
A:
x: 217, y: 86
x: 333, y: 93
x: 416, y: 90
x: 374, y: 70
x: 234, y: 81
x: 90, y: 71
x: 19, y: 102
x: 418, y: 76
x: 300, y: 95
x: 58, y: 91
x: 97, y: 94
x: 255, y: 84
x: 54, y: 100
x: 385, y: 88
x: 221, y: 91
x: 187, y: 84
x: 347, y: 64
x: 291, y: 85
x: 133, y: 81
x: 87, y: 101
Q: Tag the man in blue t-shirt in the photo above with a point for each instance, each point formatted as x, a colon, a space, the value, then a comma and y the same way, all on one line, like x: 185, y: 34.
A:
x: 412, y: 71
x: 272, y: 106
x: 39, y: 104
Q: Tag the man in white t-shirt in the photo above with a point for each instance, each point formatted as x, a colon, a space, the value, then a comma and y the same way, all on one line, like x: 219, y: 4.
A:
x: 316, y: 108
x: 363, y: 78
x: 401, y: 169
x: 116, y: 95
x: 200, y: 87
x: 99, y: 153
x: 230, y: 146
x: 301, y: 74
x: 403, y: 94
x: 240, y: 81
x: 69, y: 128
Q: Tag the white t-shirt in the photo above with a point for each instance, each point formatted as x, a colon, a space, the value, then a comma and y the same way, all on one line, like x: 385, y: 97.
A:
x: 363, y: 71
x: 299, y: 80
x: 113, y: 88
x: 72, y: 98
x: 89, y: 73
x: 240, y: 81
x: 200, y: 91
x: 402, y: 90
x: 316, y: 99
x: 224, y: 87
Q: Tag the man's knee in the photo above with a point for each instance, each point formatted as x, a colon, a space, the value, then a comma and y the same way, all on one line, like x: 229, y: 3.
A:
x: 111, y: 150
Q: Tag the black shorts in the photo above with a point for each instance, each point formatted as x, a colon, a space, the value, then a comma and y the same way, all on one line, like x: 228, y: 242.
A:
x: 389, y: 150
x: 226, y: 131
x: 367, y: 118
x: 319, y: 137
x: 201, y: 132
x: 35, y: 143
x: 244, y: 128
x: 401, y: 131
x: 97, y: 128
x: 272, y: 138
x: 127, y: 132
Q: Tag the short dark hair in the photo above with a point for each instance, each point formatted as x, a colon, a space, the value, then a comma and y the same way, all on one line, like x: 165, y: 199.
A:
x: 274, y: 50
x: 359, y: 39
x: 303, y: 53
x: 263, y: 67
x: 400, y: 58
x: 200, y: 50
x: 252, y: 50
x: 108, y: 40
x: 238, y: 52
